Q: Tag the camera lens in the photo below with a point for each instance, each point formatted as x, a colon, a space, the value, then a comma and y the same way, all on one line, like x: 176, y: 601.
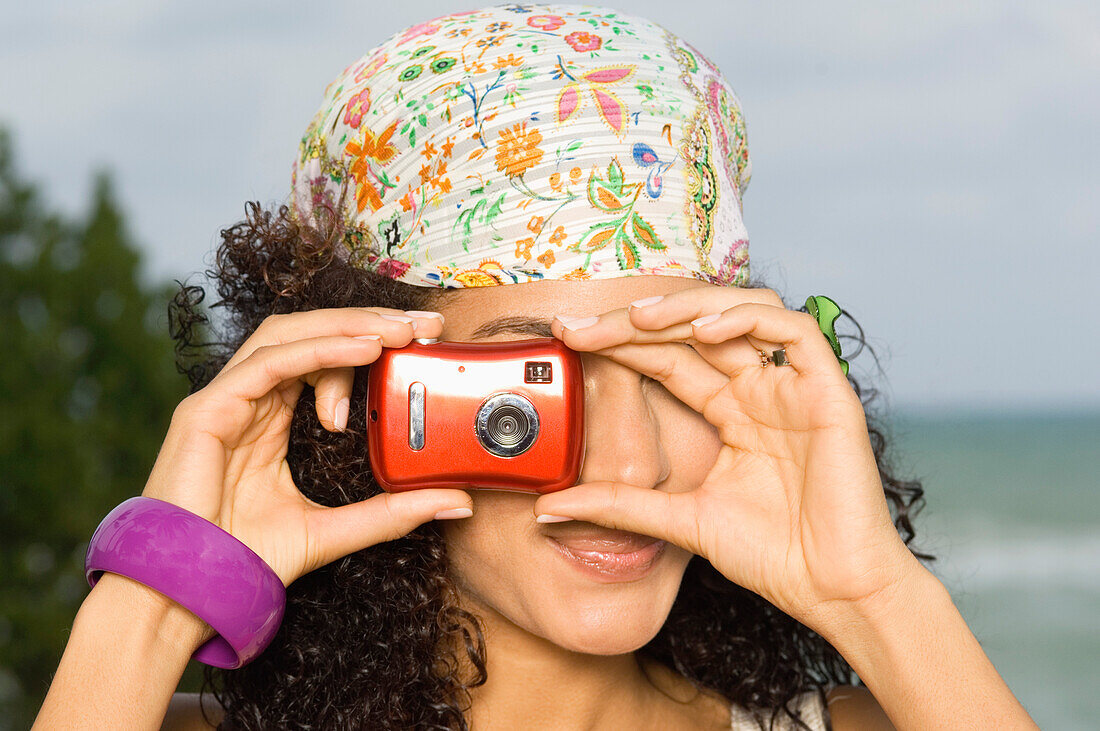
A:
x: 507, y: 424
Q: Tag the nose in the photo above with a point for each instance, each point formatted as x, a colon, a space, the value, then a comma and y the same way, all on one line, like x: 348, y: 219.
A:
x: 622, y: 433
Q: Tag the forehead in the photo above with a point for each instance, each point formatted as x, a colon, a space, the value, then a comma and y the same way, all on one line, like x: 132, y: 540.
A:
x: 469, y: 308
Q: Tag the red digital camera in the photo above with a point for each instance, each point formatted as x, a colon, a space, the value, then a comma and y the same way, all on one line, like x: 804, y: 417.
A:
x: 499, y: 416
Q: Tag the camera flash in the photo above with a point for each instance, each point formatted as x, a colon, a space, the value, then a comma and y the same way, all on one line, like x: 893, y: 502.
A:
x: 538, y: 372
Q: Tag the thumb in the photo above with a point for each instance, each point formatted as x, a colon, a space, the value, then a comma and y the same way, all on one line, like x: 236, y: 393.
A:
x: 667, y: 516
x: 350, y: 528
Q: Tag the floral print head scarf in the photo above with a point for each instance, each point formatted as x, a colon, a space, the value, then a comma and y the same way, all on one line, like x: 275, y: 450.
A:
x: 527, y: 142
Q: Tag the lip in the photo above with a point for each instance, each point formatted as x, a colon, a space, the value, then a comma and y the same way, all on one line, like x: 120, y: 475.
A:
x: 586, y: 537
x: 610, y: 559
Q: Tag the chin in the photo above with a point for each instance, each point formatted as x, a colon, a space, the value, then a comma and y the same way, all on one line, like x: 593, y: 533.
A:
x: 608, y: 628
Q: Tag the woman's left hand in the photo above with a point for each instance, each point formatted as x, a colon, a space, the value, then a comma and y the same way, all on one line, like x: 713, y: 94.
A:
x: 793, y: 508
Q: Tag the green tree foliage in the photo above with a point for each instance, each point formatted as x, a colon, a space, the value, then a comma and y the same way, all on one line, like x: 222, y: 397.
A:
x: 87, y: 387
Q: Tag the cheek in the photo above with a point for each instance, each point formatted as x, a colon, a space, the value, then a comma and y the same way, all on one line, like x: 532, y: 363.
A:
x: 489, y: 548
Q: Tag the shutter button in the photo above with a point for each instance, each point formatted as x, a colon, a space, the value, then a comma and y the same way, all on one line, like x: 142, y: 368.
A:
x: 426, y: 341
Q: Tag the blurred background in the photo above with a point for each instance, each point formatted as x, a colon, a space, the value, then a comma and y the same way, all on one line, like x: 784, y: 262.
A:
x: 932, y: 166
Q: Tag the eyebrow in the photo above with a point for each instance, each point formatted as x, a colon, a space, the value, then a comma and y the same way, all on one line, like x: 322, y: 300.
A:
x: 516, y: 324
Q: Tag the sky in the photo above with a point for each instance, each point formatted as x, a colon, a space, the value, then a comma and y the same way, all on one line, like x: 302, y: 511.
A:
x: 932, y: 166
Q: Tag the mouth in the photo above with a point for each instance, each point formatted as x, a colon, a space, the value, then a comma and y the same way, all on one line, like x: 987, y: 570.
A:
x: 606, y: 555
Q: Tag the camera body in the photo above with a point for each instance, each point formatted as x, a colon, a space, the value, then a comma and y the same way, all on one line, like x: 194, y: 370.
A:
x: 501, y: 416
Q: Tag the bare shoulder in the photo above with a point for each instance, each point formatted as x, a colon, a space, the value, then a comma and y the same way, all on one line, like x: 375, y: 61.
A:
x: 853, y: 707
x: 185, y: 714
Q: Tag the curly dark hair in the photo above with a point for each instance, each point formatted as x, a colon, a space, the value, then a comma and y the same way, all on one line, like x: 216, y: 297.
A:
x: 369, y: 640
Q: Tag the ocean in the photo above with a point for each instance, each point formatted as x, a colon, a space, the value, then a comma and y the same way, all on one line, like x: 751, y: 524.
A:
x: 1013, y: 515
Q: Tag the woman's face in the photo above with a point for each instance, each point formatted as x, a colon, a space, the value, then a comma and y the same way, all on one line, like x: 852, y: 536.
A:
x: 511, y: 570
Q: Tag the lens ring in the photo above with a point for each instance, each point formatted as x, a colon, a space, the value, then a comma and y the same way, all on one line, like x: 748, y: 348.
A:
x: 507, y: 424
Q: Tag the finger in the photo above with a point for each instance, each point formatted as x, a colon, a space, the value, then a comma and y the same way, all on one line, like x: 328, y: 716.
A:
x: 332, y: 394
x: 675, y: 366
x: 349, y: 528
x: 273, y: 365
x: 665, y: 321
x: 395, y: 326
x: 669, y: 318
x: 668, y: 516
x: 699, y: 306
x: 797, y: 332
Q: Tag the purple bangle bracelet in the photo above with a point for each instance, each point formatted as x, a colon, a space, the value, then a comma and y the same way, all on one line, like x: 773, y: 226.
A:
x: 199, y: 565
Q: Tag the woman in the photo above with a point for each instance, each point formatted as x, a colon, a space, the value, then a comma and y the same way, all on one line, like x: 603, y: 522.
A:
x: 728, y: 556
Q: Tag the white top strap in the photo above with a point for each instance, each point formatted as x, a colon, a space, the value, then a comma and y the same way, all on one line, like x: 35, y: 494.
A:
x: 809, y: 706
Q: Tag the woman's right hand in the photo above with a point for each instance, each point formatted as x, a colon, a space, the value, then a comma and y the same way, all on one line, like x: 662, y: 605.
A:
x: 224, y: 457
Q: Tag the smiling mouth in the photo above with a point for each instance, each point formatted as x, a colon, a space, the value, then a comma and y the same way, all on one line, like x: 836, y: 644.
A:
x: 608, y: 555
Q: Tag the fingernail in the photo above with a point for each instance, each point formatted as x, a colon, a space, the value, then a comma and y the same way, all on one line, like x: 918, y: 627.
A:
x: 369, y: 337
x: 705, y: 320
x: 547, y: 518
x: 647, y: 301
x: 424, y: 313
x: 341, y: 415
x: 454, y: 513
x: 398, y: 318
x: 580, y: 322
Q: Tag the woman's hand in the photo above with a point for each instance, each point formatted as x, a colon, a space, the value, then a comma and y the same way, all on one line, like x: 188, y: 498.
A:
x: 793, y: 508
x: 224, y: 457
